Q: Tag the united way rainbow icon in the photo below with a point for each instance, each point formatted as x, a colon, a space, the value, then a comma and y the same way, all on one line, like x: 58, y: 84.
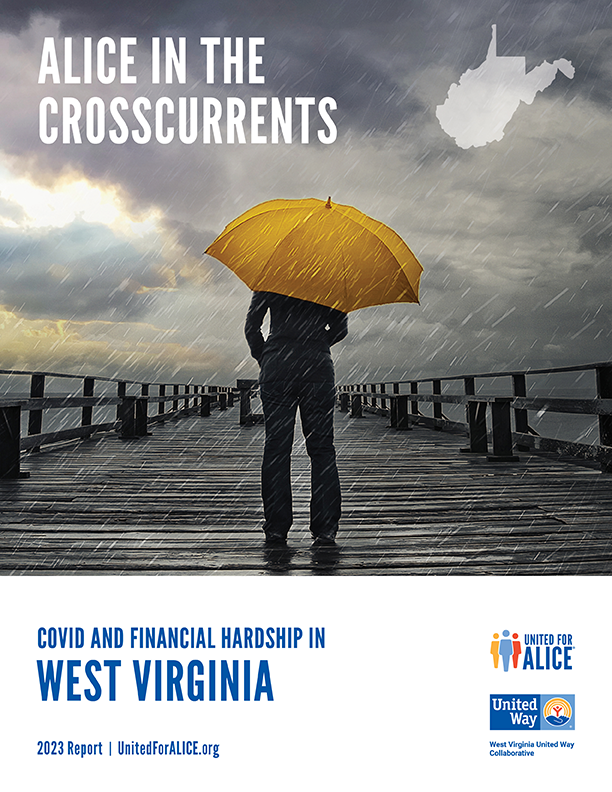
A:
x: 557, y: 712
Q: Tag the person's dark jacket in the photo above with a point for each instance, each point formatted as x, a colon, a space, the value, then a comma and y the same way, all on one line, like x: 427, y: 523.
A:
x: 294, y: 323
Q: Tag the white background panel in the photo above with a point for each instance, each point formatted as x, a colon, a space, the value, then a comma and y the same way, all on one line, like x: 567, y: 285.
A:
x: 398, y: 696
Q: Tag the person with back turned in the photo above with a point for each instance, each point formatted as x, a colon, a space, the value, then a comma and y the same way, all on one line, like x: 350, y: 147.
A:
x: 297, y: 371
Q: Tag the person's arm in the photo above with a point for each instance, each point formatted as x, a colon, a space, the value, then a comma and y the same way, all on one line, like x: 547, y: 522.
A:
x: 254, y: 320
x: 338, y: 328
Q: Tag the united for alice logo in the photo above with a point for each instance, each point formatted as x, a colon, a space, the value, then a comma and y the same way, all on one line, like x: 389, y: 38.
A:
x: 535, y: 652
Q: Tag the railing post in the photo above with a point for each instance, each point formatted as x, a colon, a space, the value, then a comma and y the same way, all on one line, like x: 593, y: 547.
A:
x: 245, y: 386
x: 230, y: 397
x: 204, y: 404
x: 87, y: 411
x: 393, y: 412
x: 373, y: 401
x: 127, y: 417
x: 414, y: 389
x: 502, y: 431
x: 121, y: 389
x: 142, y: 411
x: 245, y: 400
x: 344, y: 401
x: 356, y: 406
x: 10, y: 431
x: 161, y: 407
x: 175, y: 403
x: 476, y: 416
x: 437, y: 406
x: 521, y: 417
x: 403, y: 421
x: 604, y: 391
x: 141, y: 417
x: 222, y: 401
x: 383, y: 389
x: 37, y: 391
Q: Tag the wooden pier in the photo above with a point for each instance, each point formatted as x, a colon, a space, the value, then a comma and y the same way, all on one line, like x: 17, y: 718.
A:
x: 185, y: 500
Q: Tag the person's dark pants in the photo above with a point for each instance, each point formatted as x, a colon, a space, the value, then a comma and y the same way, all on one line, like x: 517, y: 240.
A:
x: 286, y: 385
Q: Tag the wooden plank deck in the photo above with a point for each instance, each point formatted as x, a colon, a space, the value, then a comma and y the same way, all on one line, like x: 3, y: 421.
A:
x: 186, y: 501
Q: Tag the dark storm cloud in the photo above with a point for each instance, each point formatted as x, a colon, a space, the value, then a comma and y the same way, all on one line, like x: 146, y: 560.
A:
x: 193, y: 243
x: 590, y: 215
x: 592, y: 57
x: 80, y: 15
x: 113, y: 14
x: 40, y: 295
x: 80, y: 271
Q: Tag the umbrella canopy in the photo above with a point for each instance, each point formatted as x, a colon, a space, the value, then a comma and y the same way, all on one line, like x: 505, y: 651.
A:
x: 326, y: 253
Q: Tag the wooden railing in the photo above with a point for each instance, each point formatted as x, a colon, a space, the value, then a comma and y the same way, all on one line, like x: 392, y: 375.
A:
x: 501, y: 420
x: 488, y: 417
x: 131, y: 417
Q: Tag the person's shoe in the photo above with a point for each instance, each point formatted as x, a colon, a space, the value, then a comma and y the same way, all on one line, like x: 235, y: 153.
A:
x: 323, y: 540
x: 275, y: 539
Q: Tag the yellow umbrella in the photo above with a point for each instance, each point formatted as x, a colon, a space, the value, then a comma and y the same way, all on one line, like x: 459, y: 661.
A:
x: 326, y: 253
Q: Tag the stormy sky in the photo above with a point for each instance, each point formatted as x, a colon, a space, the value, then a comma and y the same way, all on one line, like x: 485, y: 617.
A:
x: 101, y: 245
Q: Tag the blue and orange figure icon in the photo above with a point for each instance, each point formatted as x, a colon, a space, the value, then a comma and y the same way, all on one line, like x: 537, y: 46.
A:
x: 505, y: 648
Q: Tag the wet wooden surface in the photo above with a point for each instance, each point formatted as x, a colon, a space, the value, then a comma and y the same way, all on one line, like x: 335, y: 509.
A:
x: 186, y: 501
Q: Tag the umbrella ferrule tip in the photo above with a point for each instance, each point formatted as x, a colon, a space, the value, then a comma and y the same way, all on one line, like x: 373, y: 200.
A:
x: 328, y: 204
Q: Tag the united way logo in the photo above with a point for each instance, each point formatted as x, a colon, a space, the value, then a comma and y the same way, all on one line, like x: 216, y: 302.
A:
x: 557, y: 712
x: 506, y: 649
x: 532, y: 712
